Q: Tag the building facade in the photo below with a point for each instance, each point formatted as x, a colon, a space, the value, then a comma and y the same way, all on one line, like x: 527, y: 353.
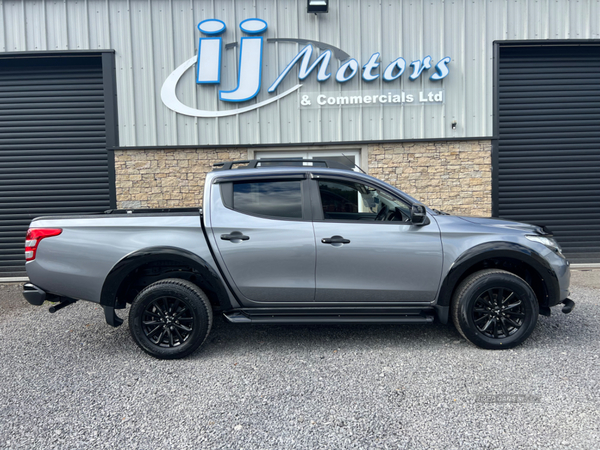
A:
x: 473, y: 107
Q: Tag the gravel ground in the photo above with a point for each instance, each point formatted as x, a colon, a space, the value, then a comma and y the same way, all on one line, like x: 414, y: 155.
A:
x: 68, y: 380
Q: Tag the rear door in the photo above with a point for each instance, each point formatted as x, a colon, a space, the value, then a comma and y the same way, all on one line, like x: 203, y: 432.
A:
x: 367, y: 249
x: 265, y: 238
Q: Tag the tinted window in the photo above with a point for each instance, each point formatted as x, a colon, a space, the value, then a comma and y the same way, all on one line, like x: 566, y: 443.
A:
x: 269, y: 198
x: 345, y: 200
x: 338, y: 197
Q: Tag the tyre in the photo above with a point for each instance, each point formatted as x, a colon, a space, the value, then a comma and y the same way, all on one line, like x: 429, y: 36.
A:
x: 170, y: 318
x: 494, y: 309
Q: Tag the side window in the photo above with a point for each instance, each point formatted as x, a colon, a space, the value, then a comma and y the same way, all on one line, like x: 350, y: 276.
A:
x: 337, y: 197
x: 269, y: 198
x: 346, y: 200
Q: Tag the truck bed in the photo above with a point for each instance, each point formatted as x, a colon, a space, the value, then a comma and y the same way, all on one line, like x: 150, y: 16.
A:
x: 76, y: 262
x: 137, y: 212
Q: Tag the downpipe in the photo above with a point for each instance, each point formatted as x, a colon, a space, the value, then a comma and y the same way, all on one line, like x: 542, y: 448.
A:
x: 109, y: 313
x: 64, y: 302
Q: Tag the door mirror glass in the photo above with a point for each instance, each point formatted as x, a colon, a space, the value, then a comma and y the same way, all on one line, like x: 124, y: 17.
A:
x: 418, y: 215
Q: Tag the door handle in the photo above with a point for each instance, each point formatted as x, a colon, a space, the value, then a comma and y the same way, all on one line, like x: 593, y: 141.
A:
x: 335, y: 240
x: 234, y: 236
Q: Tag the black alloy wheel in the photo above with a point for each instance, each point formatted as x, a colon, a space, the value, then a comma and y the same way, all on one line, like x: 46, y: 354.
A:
x: 168, y: 322
x: 494, y: 309
x: 170, y: 318
x: 498, y: 313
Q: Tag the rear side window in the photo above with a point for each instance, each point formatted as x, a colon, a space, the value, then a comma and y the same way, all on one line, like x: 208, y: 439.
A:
x: 269, y: 198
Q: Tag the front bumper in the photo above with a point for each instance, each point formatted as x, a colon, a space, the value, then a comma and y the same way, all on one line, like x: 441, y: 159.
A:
x: 34, y: 294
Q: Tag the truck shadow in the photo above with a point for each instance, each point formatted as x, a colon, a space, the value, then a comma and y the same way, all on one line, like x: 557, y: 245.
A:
x: 552, y: 331
x: 294, y: 335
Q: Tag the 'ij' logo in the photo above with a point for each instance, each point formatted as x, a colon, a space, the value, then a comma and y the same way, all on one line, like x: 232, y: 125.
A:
x: 208, y: 68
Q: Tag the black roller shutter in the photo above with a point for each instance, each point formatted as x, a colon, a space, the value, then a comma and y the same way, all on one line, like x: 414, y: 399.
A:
x: 53, y: 145
x: 548, y: 150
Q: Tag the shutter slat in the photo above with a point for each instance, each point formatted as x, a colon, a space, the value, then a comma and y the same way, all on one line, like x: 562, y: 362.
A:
x: 53, y: 157
x: 549, y: 143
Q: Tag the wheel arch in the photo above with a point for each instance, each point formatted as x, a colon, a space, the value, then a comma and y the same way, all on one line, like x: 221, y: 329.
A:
x: 175, y: 262
x: 509, y: 256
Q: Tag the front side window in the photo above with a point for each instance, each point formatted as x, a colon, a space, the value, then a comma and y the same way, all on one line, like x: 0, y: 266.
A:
x: 347, y: 200
x: 269, y: 198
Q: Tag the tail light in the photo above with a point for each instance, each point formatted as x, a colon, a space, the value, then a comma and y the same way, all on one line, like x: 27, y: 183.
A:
x: 34, y: 236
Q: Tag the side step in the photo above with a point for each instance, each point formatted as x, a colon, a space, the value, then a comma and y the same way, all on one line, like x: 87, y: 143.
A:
x: 242, y: 317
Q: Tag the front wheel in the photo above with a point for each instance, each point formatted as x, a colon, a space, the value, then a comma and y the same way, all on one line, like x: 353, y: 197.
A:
x: 494, y: 309
x: 170, y: 318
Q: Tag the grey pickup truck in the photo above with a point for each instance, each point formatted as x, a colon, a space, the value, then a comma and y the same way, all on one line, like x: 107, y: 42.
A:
x: 298, y: 242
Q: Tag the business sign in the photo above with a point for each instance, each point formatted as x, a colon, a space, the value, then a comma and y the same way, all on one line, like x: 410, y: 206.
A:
x: 368, y: 98
x: 208, y: 71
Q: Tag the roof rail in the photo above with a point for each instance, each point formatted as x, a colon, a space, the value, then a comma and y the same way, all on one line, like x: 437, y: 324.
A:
x: 270, y: 162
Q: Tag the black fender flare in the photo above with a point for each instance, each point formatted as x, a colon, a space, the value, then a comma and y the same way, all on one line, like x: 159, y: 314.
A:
x: 134, y: 260
x: 500, y: 249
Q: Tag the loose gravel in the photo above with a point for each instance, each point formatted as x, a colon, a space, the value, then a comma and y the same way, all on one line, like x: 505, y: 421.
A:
x: 68, y: 381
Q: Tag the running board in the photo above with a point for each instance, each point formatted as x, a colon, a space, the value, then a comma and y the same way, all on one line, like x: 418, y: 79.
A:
x: 241, y: 317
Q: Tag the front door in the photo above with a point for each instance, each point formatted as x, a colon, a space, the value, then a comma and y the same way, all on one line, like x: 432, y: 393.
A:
x: 367, y: 249
x: 263, y: 239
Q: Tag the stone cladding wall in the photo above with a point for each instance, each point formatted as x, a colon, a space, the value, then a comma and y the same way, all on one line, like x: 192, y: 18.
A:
x: 455, y: 176
x: 166, y: 178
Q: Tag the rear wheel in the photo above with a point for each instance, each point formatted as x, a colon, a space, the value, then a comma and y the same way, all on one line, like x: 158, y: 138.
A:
x: 170, y: 318
x: 494, y: 309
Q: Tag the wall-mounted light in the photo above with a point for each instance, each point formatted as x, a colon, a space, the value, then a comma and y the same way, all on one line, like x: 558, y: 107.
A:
x: 453, y: 124
x: 317, y: 6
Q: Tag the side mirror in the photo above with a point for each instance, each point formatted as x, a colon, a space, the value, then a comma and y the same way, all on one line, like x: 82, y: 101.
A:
x: 418, y: 215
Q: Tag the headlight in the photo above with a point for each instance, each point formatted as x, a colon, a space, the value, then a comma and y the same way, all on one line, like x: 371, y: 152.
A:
x: 548, y: 242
